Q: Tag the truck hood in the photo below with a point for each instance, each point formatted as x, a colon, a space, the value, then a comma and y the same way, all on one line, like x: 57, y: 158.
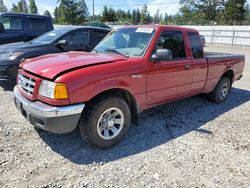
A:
x: 49, y: 66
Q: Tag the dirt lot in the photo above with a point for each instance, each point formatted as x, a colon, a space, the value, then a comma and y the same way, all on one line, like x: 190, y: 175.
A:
x: 189, y: 143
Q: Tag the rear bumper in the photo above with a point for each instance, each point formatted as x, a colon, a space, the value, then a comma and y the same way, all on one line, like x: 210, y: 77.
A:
x: 54, y: 119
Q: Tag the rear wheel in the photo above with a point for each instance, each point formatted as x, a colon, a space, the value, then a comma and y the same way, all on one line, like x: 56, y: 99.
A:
x: 221, y: 91
x: 106, y: 123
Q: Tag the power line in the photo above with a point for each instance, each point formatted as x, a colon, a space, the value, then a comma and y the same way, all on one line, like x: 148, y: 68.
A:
x: 138, y: 4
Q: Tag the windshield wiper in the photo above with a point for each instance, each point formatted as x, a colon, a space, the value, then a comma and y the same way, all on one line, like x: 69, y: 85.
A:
x: 117, y: 52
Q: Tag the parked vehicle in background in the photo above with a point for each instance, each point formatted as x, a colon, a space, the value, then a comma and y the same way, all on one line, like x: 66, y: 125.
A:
x: 59, y: 40
x: 131, y: 70
x: 97, y: 24
x: 16, y: 27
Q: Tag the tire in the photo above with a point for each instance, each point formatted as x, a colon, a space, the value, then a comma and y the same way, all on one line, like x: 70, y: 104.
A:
x: 221, y: 91
x: 105, y: 122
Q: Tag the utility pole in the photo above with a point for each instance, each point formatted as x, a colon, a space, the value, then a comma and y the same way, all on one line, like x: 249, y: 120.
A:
x: 93, y: 10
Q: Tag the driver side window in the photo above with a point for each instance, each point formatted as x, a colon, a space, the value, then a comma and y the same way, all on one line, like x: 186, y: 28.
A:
x: 172, y: 40
x: 12, y: 23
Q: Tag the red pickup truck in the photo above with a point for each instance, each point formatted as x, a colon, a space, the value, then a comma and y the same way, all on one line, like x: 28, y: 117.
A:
x: 134, y: 68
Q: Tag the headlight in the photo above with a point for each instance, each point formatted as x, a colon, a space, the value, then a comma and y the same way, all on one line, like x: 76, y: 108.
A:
x: 18, y: 80
x: 53, y: 90
x: 10, y: 55
x: 14, y: 55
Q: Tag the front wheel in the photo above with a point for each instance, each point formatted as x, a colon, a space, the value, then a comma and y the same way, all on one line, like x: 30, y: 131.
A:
x: 106, y: 122
x: 221, y: 91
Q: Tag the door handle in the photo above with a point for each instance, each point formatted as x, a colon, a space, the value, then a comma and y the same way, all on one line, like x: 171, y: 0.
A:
x: 187, y: 67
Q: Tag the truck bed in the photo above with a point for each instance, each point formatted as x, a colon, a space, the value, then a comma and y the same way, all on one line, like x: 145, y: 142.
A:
x: 218, y: 63
x: 210, y: 56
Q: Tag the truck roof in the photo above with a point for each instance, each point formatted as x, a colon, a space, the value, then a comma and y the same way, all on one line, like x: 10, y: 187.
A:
x: 158, y: 26
x: 69, y: 28
x: 21, y: 14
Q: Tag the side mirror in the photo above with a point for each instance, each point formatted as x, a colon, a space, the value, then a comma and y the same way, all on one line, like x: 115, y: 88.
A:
x: 162, y: 55
x: 197, y: 53
x: 61, y: 43
x: 2, y: 29
x: 203, y: 41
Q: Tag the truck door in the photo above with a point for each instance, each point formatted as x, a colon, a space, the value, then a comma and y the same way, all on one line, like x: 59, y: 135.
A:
x: 199, y: 64
x: 14, y: 29
x: 172, y: 79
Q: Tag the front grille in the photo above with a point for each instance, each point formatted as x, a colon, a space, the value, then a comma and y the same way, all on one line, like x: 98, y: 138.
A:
x: 26, y: 83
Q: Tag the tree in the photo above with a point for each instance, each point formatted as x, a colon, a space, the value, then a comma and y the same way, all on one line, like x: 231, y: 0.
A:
x: 121, y: 15
x: 82, y: 12
x: 47, y: 13
x: 208, y: 8
x: 109, y: 14
x: 247, y: 14
x: 137, y: 16
x: 129, y: 16
x: 112, y: 15
x: 24, y: 6
x: 3, y: 8
x: 14, y: 8
x: 133, y: 19
x: 105, y: 14
x: 156, y: 18
x: 165, y: 19
x: 56, y: 15
x: 21, y: 7
x: 189, y: 15
x: 235, y: 11
x: 145, y: 16
x: 33, y: 7
x: 161, y: 19
x: 62, y: 19
x: 71, y: 12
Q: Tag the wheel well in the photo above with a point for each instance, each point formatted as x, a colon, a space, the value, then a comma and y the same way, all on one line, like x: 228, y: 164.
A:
x: 124, y: 94
x: 229, y: 74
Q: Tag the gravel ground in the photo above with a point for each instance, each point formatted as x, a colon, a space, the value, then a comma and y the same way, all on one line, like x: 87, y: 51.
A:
x: 189, y: 143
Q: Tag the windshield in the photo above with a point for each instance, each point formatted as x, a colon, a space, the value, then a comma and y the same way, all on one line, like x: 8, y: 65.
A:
x: 127, y: 41
x: 49, y: 37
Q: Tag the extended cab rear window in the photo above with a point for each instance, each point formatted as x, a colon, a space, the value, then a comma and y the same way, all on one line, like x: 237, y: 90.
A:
x: 37, y: 24
x: 196, y: 45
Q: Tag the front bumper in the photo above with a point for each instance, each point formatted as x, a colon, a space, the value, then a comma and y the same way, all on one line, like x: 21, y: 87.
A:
x: 54, y: 119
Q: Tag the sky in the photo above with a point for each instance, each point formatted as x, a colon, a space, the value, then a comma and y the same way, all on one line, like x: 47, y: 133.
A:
x: 164, y: 6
